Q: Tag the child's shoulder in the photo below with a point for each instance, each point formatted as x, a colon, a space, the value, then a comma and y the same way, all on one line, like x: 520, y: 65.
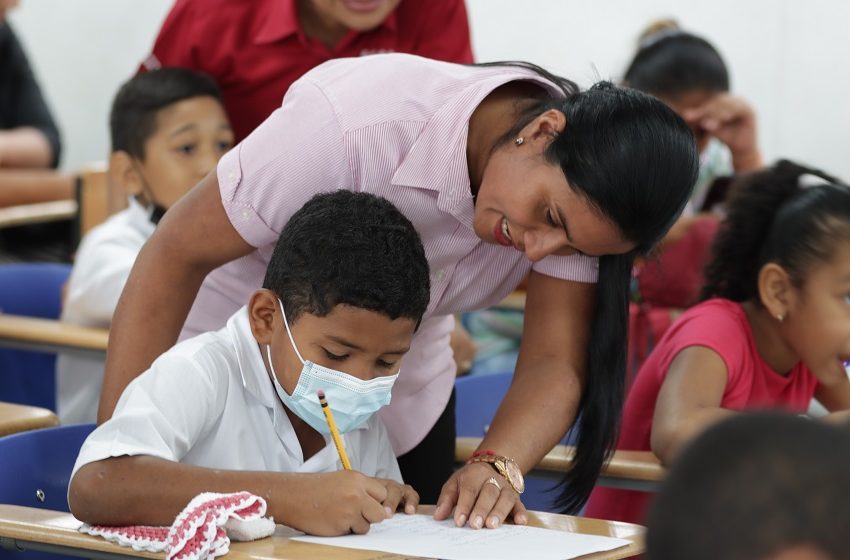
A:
x: 128, y: 228
x: 719, y: 324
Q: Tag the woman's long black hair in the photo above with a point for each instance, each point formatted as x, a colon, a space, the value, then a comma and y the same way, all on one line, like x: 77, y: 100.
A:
x: 635, y: 160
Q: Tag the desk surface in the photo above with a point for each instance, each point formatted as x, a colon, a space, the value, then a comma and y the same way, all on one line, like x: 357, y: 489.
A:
x: 631, y: 465
x: 23, y: 525
x: 37, y: 213
x: 49, y: 335
x: 16, y: 418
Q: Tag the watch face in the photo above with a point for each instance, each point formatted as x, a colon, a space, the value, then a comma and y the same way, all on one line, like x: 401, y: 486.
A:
x: 515, y: 476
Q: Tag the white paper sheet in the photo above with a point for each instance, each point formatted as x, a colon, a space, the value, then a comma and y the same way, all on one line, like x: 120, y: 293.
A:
x: 420, y: 535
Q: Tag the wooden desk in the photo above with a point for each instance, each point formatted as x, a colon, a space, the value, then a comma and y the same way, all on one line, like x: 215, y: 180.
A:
x: 39, y: 213
x: 23, y: 528
x: 632, y: 470
x: 32, y: 186
x: 514, y: 300
x: 16, y: 418
x: 45, y: 335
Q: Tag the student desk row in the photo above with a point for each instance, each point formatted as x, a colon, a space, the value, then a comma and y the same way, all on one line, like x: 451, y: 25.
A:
x: 46, y: 335
x: 24, y: 528
x: 46, y: 196
x: 631, y: 470
x: 16, y: 418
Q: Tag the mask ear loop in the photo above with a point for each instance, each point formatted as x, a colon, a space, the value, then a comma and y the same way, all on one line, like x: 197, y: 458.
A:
x: 288, y: 332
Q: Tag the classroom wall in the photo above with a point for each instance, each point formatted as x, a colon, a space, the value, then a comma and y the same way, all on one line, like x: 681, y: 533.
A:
x: 787, y: 56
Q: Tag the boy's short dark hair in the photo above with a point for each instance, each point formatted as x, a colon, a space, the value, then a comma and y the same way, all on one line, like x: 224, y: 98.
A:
x: 132, y: 119
x: 349, y: 248
x: 753, y: 486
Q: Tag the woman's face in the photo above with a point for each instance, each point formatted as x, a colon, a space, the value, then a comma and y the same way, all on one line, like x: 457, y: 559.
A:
x: 526, y: 203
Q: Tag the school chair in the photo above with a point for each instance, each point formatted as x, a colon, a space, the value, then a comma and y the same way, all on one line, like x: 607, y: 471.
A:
x: 35, y: 469
x: 32, y: 290
x: 476, y: 399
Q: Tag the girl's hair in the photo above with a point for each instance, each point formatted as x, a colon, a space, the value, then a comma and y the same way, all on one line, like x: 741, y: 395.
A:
x: 670, y: 62
x: 634, y: 160
x: 773, y: 217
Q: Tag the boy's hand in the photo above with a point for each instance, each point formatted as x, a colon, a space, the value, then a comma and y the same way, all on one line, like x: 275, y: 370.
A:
x: 478, y: 503
x: 397, y: 495
x: 731, y: 120
x: 338, y: 503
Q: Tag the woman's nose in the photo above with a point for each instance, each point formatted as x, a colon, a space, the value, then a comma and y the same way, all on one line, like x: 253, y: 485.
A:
x: 542, y: 244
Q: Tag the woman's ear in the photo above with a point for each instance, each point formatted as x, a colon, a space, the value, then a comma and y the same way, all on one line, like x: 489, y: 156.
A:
x: 546, y: 126
x: 776, y: 290
x: 262, y: 314
x: 124, y: 174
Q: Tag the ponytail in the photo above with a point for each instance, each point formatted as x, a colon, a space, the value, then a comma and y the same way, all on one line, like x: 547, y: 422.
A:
x: 602, y: 400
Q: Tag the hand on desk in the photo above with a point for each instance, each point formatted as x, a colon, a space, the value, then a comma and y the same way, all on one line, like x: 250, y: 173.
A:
x: 349, y: 502
x: 477, y: 502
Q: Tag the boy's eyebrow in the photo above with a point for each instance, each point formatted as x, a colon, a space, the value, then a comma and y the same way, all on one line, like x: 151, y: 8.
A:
x: 353, y: 346
x: 182, y: 129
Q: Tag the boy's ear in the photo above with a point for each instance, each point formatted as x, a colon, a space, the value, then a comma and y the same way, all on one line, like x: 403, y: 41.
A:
x: 124, y: 174
x: 262, y: 314
x: 775, y: 290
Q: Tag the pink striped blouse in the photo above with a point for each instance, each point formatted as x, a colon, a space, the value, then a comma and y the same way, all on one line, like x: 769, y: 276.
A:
x: 396, y: 126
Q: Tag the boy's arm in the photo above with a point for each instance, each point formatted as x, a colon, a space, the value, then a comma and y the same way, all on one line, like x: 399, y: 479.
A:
x: 689, y: 400
x: 145, y: 490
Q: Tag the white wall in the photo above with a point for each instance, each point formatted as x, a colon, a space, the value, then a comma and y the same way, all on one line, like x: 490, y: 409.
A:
x: 788, y: 57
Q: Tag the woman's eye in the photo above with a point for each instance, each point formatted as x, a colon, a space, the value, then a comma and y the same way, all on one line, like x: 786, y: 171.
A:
x: 335, y: 357
x: 549, y: 219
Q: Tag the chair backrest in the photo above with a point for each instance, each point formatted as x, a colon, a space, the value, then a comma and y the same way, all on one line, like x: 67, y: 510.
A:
x: 35, y: 469
x: 33, y: 290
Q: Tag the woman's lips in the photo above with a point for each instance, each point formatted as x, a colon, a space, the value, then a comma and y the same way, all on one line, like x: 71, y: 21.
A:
x: 499, y: 234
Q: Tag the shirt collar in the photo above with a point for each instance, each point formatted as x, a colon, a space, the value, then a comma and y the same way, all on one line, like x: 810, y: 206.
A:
x: 140, y: 217
x: 437, y: 160
x: 255, y: 376
x: 280, y: 20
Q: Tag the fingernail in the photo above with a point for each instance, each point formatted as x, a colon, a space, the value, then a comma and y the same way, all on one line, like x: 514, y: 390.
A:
x: 409, y: 509
x: 461, y: 520
x: 388, y: 511
x: 520, y: 519
x: 494, y: 522
x: 478, y: 522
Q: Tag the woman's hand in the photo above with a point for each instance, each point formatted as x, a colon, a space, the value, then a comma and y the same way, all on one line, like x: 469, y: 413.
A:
x: 477, y: 502
x: 463, y: 347
x: 731, y: 120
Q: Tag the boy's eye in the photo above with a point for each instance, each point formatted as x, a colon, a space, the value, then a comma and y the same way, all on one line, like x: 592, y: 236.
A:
x: 383, y: 364
x: 225, y: 146
x: 187, y: 149
x: 335, y: 357
x: 847, y: 299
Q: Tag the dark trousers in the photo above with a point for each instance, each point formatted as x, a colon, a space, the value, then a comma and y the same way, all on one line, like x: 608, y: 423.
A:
x: 429, y: 465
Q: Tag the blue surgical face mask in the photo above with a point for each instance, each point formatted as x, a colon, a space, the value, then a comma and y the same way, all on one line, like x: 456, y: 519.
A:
x: 352, y: 400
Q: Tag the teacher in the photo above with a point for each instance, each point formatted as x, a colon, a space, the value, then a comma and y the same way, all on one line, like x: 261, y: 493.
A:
x: 504, y: 169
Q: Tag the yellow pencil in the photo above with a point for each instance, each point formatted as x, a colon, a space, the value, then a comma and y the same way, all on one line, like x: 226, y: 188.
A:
x: 329, y: 416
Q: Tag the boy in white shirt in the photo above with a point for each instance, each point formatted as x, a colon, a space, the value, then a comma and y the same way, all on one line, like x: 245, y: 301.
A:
x: 168, y: 130
x: 346, y: 287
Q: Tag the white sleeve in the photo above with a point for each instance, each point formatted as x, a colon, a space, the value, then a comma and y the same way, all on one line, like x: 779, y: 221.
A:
x: 162, y: 413
x: 386, y: 460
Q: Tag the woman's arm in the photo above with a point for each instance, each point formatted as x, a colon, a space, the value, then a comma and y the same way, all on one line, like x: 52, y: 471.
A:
x: 144, y: 490
x: 540, y: 405
x: 194, y: 237
x: 25, y: 147
x: 689, y: 400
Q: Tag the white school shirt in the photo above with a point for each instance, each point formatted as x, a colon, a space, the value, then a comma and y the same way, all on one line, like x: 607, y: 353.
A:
x: 392, y: 125
x: 102, y: 265
x: 209, y: 402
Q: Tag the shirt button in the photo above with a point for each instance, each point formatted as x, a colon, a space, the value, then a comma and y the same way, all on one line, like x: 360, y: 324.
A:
x: 441, y: 274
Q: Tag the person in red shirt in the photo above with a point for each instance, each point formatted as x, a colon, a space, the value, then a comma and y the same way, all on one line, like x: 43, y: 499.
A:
x: 255, y: 49
x: 772, y: 331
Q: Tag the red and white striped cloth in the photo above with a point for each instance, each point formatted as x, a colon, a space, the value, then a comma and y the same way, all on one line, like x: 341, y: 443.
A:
x: 201, y: 531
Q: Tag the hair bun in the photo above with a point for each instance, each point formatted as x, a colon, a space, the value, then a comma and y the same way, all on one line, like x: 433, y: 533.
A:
x: 658, y: 30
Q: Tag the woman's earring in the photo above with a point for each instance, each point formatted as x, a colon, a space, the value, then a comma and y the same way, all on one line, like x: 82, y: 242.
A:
x: 519, y: 140
x: 780, y: 317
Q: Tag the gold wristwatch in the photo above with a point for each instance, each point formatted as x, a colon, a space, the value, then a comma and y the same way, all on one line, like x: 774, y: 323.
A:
x: 507, y: 467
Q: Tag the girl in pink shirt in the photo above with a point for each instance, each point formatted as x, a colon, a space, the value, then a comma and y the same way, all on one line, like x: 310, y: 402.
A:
x: 504, y: 170
x: 773, y: 329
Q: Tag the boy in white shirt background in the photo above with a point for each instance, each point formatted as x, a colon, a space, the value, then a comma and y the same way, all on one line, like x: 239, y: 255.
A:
x: 168, y: 130
x: 237, y: 409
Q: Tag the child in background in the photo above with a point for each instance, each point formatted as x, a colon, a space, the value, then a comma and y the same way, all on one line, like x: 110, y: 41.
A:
x: 756, y: 487
x: 168, y: 130
x: 237, y: 409
x: 773, y: 328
